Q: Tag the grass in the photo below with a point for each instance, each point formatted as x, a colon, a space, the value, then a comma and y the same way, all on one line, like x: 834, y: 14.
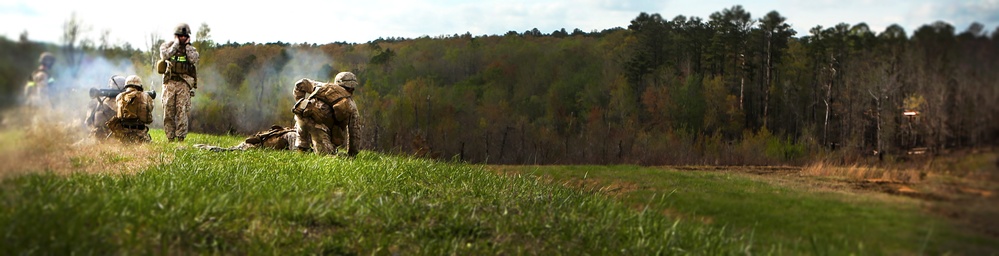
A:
x: 275, y: 202
x: 794, y: 218
x: 189, y: 201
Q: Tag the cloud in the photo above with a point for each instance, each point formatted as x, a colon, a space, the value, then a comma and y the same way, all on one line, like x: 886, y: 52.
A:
x: 19, y: 8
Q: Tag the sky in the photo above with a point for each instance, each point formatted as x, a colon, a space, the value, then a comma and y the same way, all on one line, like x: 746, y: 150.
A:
x: 298, y: 21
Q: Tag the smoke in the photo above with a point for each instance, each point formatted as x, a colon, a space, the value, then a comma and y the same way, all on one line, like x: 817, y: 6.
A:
x: 65, y: 102
x: 263, y: 97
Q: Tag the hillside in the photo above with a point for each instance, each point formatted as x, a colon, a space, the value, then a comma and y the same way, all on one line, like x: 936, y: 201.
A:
x: 174, y: 199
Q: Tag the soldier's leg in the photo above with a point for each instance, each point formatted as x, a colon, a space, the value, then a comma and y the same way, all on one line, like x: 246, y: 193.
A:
x: 169, y: 110
x: 304, y: 140
x: 144, y: 135
x: 321, y: 140
x: 183, y: 110
x: 346, y: 115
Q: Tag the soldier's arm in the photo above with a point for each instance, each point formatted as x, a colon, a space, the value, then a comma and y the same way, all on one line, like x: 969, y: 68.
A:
x: 192, y: 54
x: 167, y: 50
x: 41, y: 80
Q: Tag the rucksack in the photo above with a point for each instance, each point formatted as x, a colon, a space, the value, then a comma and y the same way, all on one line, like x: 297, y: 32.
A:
x: 134, y: 105
x: 271, y: 138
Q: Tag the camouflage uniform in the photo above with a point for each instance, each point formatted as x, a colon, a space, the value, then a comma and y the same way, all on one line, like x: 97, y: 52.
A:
x: 179, y: 82
x: 326, y: 116
x: 278, y: 138
x: 40, y: 82
x: 133, y: 111
x: 102, y: 109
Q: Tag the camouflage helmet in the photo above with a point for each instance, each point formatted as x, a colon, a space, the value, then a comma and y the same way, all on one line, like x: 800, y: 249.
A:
x: 116, y: 82
x: 346, y: 80
x: 46, y: 59
x: 133, y: 80
x: 182, y: 29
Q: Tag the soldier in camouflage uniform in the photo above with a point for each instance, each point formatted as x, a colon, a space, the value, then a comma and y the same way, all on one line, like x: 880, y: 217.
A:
x: 40, y: 83
x: 180, y: 79
x: 326, y: 116
x: 134, y: 110
x: 102, y: 109
x: 278, y: 138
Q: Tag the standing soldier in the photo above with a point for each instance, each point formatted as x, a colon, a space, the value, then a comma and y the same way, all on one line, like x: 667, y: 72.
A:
x: 133, y: 111
x: 180, y: 78
x: 103, y: 108
x: 326, y: 116
x: 41, y: 80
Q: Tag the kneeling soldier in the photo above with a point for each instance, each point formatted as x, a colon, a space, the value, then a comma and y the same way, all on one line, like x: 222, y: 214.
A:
x: 134, y: 111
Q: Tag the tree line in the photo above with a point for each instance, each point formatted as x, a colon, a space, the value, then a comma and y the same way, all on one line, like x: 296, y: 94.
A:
x: 732, y: 89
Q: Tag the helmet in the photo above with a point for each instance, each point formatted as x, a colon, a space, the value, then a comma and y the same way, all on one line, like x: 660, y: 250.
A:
x: 345, y: 79
x: 46, y: 59
x: 133, y: 80
x: 182, y: 29
x: 116, y: 82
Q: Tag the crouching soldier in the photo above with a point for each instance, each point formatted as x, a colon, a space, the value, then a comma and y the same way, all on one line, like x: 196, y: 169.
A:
x: 134, y: 110
x: 326, y: 116
x: 102, y: 108
x: 278, y: 138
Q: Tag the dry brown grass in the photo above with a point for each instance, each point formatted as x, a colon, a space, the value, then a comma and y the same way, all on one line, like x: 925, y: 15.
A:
x: 65, y: 150
x: 865, y: 173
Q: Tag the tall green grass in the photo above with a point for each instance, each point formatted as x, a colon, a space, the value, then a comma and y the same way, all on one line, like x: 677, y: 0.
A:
x: 278, y: 202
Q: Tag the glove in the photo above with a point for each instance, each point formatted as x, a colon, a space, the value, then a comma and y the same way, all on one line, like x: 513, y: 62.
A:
x: 192, y: 93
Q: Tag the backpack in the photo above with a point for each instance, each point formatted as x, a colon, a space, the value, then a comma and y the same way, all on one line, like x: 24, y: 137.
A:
x: 134, y: 105
x: 271, y: 138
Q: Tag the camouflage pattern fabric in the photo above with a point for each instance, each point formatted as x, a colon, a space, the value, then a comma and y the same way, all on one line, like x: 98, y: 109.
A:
x: 168, y: 50
x: 324, y: 125
x: 176, y: 109
x: 132, y: 129
x: 102, y: 109
x: 277, y: 138
x: 38, y: 86
x: 177, y: 93
x: 100, y: 112
x: 124, y: 132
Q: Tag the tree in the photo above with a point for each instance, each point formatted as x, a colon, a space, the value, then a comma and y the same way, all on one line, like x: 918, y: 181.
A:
x: 204, y: 43
x: 72, y: 33
x: 776, y: 34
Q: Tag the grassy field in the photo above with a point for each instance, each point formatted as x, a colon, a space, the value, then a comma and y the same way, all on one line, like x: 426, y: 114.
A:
x: 174, y: 199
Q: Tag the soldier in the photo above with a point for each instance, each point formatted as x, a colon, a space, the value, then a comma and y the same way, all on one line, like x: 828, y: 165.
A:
x: 326, y: 116
x: 102, y: 109
x: 41, y: 80
x: 180, y: 78
x: 278, y: 138
x: 134, y: 110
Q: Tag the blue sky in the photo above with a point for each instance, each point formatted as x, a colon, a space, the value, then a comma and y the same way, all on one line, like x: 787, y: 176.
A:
x: 298, y: 21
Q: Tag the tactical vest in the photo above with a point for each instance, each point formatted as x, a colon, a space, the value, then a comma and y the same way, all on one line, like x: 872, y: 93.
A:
x: 134, y: 107
x: 180, y: 64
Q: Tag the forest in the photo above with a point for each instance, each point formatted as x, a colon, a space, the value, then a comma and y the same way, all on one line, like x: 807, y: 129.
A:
x: 732, y: 89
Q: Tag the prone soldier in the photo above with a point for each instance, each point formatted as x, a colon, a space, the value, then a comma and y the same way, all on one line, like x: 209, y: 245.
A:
x: 277, y: 138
